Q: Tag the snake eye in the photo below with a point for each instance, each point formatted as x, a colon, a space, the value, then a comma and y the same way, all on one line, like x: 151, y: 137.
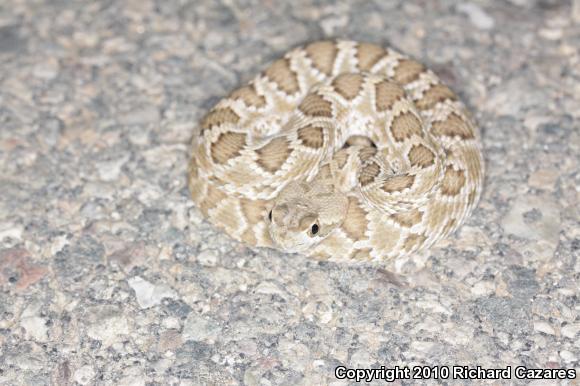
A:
x: 314, y: 229
x: 270, y: 216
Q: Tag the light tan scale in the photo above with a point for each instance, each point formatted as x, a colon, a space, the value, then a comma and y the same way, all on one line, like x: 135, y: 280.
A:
x: 339, y: 150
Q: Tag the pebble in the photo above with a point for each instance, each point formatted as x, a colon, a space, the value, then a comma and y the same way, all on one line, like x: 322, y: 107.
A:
x: 46, y: 70
x: 544, y: 327
x: 568, y: 356
x: 423, y: 347
x: 10, y: 230
x: 483, y: 288
x: 199, y: 328
x: 544, y: 179
x: 477, y: 15
x: 84, y: 375
x: 361, y: 357
x: 544, y: 227
x: 107, y: 324
x: 148, y: 294
x: 571, y: 330
x: 434, y: 306
x: 110, y: 170
x: 551, y: 34
x: 171, y: 322
x: 141, y: 116
x: 520, y: 3
x: 269, y: 288
x: 35, y: 325
x: 248, y: 347
x: 207, y: 258
x: 331, y: 24
x: 135, y: 377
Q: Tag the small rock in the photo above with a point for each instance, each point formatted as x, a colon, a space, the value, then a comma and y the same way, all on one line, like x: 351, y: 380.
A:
x: 545, y: 231
x: 163, y: 157
x: 551, y: 34
x: 111, y: 169
x: 207, y: 258
x: 51, y: 129
x: 171, y: 322
x: 477, y: 16
x: 16, y: 268
x: 61, y: 373
x: 521, y: 281
x: 434, y: 306
x: 360, y: 358
x: 34, y: 325
x: 331, y: 24
x: 142, y: 116
x: 164, y: 253
x: 318, y: 284
x: 543, y: 179
x: 544, y: 327
x: 46, y: 70
x: 108, y: 324
x: 176, y: 132
x: 422, y: 346
x: 318, y: 310
x: 248, y: 347
x: 199, y: 328
x: 252, y: 376
x: 483, y: 288
x: 148, y: 294
x: 169, y: 340
x: 86, y: 39
x: 568, y: 356
x: 570, y: 330
x: 84, y: 375
x: 269, y: 288
x: 132, y: 380
x: 10, y: 230
x: 58, y: 243
x: 576, y: 10
x: 129, y: 256
x: 138, y: 136
x: 520, y: 3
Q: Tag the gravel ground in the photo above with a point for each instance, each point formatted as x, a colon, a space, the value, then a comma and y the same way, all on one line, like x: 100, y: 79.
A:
x: 110, y: 276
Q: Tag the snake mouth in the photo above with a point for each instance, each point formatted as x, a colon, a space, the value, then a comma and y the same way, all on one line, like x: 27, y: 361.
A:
x: 295, y: 248
x: 290, y: 246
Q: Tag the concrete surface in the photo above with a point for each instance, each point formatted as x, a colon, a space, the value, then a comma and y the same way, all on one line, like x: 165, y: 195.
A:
x: 110, y: 276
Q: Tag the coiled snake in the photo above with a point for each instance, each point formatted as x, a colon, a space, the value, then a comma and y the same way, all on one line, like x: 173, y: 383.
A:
x: 338, y: 150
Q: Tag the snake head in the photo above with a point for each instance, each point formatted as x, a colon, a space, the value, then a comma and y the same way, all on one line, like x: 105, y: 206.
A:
x: 304, y: 214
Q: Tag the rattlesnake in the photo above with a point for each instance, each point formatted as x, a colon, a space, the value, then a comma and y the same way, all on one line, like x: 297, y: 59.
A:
x: 340, y: 150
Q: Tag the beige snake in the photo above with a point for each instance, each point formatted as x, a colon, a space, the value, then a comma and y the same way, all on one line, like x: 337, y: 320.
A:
x: 339, y: 150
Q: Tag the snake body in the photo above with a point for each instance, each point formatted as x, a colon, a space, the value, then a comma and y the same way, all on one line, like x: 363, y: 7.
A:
x: 340, y: 150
